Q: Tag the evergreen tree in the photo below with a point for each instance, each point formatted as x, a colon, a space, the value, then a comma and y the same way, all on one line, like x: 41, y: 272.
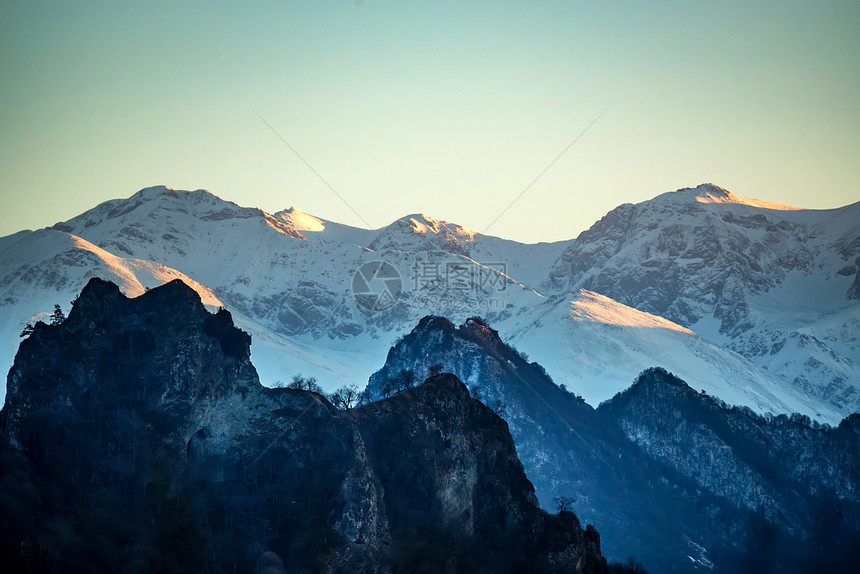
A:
x: 57, y: 317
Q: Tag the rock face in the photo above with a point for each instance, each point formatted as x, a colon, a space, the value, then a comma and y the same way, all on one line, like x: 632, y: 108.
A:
x: 719, y: 487
x: 136, y: 437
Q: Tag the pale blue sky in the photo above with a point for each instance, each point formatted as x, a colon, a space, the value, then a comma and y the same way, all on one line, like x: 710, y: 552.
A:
x: 446, y: 108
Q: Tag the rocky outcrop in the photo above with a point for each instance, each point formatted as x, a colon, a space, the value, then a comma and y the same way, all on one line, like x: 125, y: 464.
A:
x: 719, y: 487
x: 136, y: 437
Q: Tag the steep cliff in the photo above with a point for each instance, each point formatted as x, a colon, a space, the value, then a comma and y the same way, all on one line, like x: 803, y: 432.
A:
x: 136, y: 437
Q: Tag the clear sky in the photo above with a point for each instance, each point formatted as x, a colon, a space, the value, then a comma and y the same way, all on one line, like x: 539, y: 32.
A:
x: 447, y: 108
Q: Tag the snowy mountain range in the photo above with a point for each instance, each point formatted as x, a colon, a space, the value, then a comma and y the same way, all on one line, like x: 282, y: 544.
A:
x: 754, y: 302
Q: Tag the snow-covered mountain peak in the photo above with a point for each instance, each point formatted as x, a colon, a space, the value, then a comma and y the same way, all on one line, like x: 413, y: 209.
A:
x: 725, y: 266
x: 594, y: 307
x: 646, y: 255
x: 161, y: 224
x: 715, y: 194
x: 199, y: 202
x: 300, y: 220
x: 419, y: 232
x: 597, y: 346
x: 311, y: 227
x: 424, y: 224
x: 709, y: 194
x: 154, y: 203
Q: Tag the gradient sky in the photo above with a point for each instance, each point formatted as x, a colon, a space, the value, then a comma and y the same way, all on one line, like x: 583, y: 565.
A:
x: 445, y: 108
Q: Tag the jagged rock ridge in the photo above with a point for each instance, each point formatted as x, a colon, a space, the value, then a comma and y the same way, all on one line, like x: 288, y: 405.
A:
x: 136, y: 437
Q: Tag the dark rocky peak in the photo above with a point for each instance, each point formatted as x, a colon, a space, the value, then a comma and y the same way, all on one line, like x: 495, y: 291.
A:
x: 657, y: 391
x: 477, y: 329
x: 437, y: 431
x: 161, y: 352
x: 476, y: 354
x: 98, y: 300
x: 654, y: 382
x: 433, y: 322
x: 102, y: 302
x: 433, y: 332
x: 659, y: 376
x: 173, y: 308
x: 659, y: 396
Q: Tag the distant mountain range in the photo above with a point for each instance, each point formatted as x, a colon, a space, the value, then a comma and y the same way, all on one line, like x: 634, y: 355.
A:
x: 757, y: 303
